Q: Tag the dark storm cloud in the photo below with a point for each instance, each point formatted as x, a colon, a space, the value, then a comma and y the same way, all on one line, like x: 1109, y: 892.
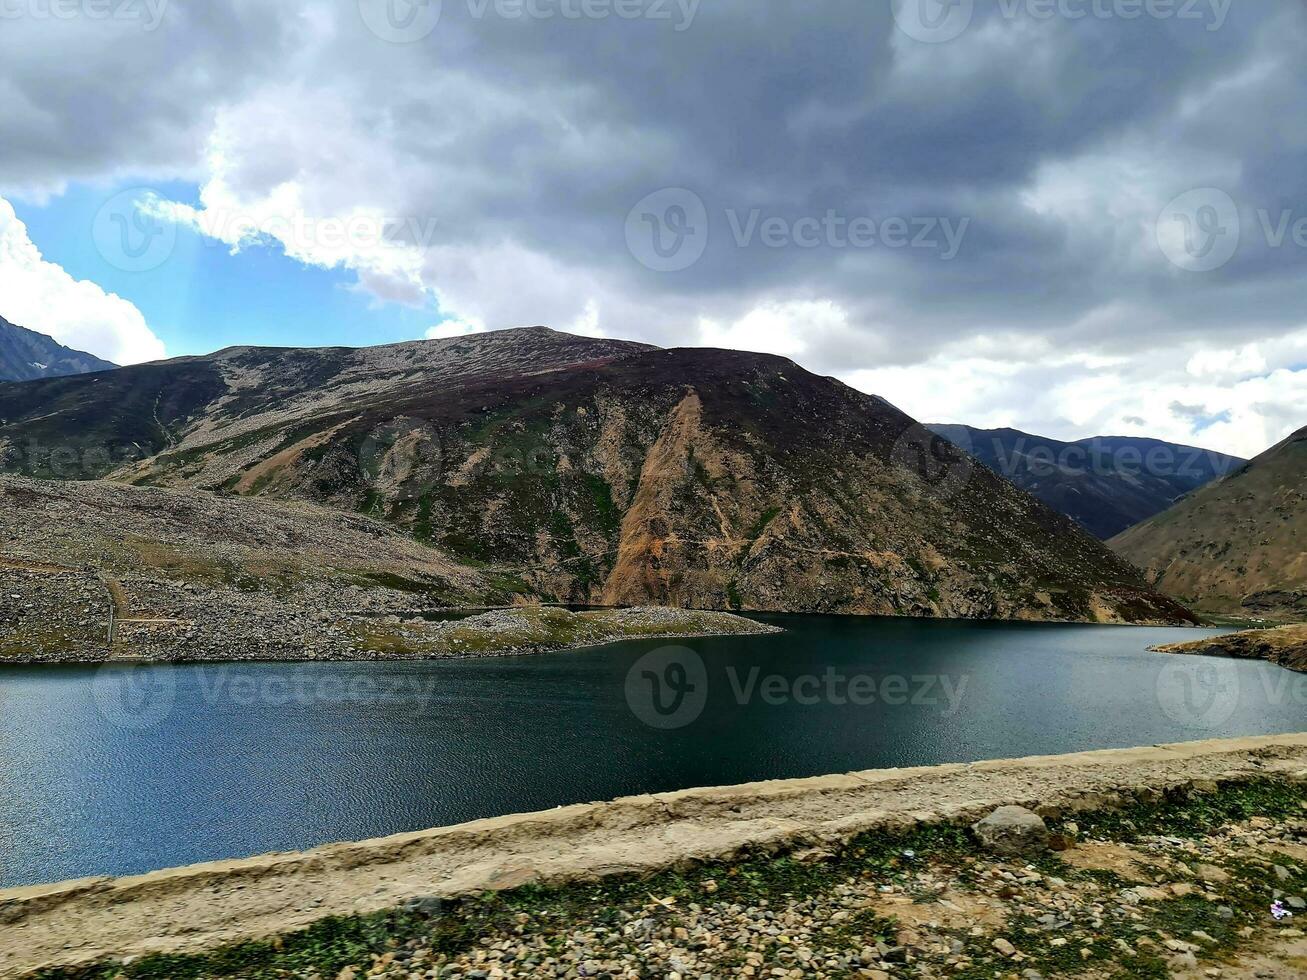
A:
x: 1056, y: 137
x: 85, y: 96
x: 796, y: 110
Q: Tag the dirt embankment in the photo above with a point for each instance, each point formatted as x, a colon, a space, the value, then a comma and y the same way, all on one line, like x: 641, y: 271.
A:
x: 1284, y: 645
x: 197, y: 908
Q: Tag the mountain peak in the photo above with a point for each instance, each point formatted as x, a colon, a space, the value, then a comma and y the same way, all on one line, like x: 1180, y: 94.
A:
x: 26, y: 355
x: 1237, y: 545
x: 1104, y: 483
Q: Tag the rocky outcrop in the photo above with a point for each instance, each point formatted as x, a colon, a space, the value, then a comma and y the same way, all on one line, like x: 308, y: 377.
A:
x: 1013, y: 831
x: 1285, y: 646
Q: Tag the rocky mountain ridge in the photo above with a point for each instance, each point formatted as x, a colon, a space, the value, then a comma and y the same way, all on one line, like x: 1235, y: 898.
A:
x: 597, y: 471
x: 26, y: 355
x: 1106, y: 484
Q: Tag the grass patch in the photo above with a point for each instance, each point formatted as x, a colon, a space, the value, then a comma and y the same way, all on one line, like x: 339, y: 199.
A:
x: 398, y: 583
x: 1194, y: 814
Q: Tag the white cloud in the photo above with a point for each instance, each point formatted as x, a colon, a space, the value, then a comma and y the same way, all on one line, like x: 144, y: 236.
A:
x: 1077, y: 397
x: 1243, y: 362
x: 454, y: 328
x: 317, y: 223
x: 43, y: 297
x: 788, y: 329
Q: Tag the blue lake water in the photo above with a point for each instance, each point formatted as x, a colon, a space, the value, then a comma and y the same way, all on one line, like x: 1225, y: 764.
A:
x: 120, y: 770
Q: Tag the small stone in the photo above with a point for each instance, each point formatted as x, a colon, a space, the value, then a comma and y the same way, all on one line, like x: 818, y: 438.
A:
x: 1211, y: 874
x: 1005, y: 947
x: 1013, y: 830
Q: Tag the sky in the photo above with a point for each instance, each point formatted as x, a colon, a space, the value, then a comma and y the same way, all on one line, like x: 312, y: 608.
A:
x: 1073, y: 217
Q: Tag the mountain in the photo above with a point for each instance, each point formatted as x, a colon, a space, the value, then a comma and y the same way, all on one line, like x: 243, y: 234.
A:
x: 596, y: 471
x: 1238, y: 545
x: 1105, y: 484
x: 26, y: 354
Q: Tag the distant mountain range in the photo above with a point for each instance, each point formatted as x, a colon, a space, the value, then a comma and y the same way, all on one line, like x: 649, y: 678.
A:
x: 26, y: 355
x: 1238, y: 545
x: 1106, y: 484
x: 597, y: 471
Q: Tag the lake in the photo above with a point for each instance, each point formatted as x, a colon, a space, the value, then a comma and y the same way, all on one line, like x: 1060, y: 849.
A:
x: 119, y: 770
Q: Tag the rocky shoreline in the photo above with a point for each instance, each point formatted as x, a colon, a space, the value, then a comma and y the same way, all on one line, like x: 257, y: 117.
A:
x: 405, y: 635
x: 1285, y: 646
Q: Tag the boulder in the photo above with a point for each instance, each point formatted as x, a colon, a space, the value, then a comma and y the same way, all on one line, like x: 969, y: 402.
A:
x: 1014, y: 831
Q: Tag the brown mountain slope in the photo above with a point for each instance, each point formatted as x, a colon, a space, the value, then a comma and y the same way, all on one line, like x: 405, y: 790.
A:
x: 1237, y: 545
x: 600, y: 471
x: 183, y: 574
